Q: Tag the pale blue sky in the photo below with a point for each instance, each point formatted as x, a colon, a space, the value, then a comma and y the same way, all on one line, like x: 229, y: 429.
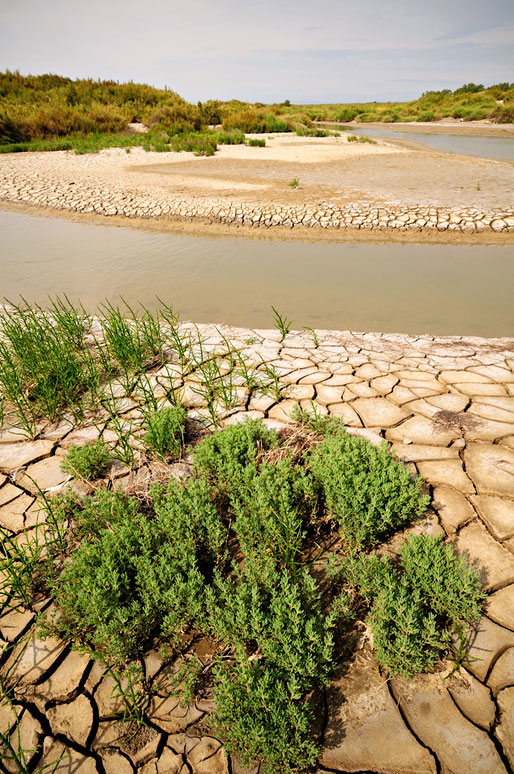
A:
x: 270, y: 50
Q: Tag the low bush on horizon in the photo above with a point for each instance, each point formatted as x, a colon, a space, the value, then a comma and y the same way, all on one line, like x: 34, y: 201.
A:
x: 470, y: 102
x: 252, y: 121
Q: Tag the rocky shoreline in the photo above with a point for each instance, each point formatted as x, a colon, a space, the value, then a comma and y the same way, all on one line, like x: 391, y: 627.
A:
x: 445, y: 405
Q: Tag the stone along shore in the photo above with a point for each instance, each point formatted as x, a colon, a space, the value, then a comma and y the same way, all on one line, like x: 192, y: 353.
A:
x: 129, y: 196
x: 446, y: 407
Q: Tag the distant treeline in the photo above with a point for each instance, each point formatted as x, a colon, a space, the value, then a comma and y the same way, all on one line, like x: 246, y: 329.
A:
x: 51, y: 111
x: 471, y: 102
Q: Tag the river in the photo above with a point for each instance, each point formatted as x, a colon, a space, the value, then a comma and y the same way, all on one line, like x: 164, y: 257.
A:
x: 464, y: 144
x: 434, y: 289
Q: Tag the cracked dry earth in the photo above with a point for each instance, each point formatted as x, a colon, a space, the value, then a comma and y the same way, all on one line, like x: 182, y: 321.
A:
x: 446, y: 407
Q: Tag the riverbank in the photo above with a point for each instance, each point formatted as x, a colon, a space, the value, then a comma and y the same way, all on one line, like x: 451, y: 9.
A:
x: 445, y: 406
x: 378, y: 189
x: 446, y: 126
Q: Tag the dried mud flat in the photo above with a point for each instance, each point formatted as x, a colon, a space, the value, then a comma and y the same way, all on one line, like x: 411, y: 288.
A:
x: 446, y: 407
x: 385, y: 190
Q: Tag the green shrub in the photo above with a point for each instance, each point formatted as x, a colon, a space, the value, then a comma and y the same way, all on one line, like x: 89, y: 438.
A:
x: 234, y: 137
x: 421, y: 609
x: 178, y: 117
x: 503, y: 115
x: 187, y: 514
x: 224, y: 456
x: 368, y: 492
x: 258, y: 717
x: 426, y: 115
x: 271, y: 509
x: 135, y: 574
x: 346, y: 114
x: 252, y: 121
x: 256, y: 143
x: 165, y: 431
x: 261, y: 607
x: 89, y: 461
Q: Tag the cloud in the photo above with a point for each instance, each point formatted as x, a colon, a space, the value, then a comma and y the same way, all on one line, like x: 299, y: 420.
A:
x: 487, y: 36
x: 327, y: 51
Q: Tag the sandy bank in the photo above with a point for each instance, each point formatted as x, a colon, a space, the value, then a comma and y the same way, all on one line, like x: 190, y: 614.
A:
x: 343, y: 186
x: 447, y: 126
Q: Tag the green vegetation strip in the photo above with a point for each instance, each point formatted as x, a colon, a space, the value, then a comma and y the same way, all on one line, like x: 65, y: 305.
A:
x: 51, y: 112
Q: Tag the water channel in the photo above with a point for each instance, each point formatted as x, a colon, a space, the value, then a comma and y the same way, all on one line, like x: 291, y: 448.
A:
x: 467, y: 145
x: 367, y: 287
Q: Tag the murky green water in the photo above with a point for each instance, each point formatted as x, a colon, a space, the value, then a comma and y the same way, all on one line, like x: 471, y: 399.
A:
x: 390, y: 288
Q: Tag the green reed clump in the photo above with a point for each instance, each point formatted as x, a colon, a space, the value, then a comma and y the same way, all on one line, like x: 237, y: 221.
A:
x: 89, y: 461
x: 422, y: 607
x: 20, y: 758
x: 165, y: 431
x: 20, y: 563
x: 131, y: 340
x: 199, y: 143
x: 129, y: 688
x: 233, y: 137
x: 354, y: 138
x: 45, y: 363
x: 255, y: 143
x: 215, y: 383
x: 367, y: 491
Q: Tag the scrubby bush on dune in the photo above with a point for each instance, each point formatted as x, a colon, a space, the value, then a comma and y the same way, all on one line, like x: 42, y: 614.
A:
x: 251, y: 121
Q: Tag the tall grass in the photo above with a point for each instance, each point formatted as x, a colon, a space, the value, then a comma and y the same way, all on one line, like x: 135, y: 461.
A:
x: 45, y: 363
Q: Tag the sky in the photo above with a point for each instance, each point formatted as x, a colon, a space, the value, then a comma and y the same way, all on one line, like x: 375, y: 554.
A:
x: 307, y: 51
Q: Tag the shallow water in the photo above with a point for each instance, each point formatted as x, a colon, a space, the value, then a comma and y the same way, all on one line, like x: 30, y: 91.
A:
x: 390, y: 288
x: 467, y: 145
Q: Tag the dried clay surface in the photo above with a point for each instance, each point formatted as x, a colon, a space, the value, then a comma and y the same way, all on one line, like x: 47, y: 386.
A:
x: 385, y: 189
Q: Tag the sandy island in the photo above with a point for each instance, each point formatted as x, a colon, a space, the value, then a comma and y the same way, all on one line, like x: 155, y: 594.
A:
x: 378, y: 191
